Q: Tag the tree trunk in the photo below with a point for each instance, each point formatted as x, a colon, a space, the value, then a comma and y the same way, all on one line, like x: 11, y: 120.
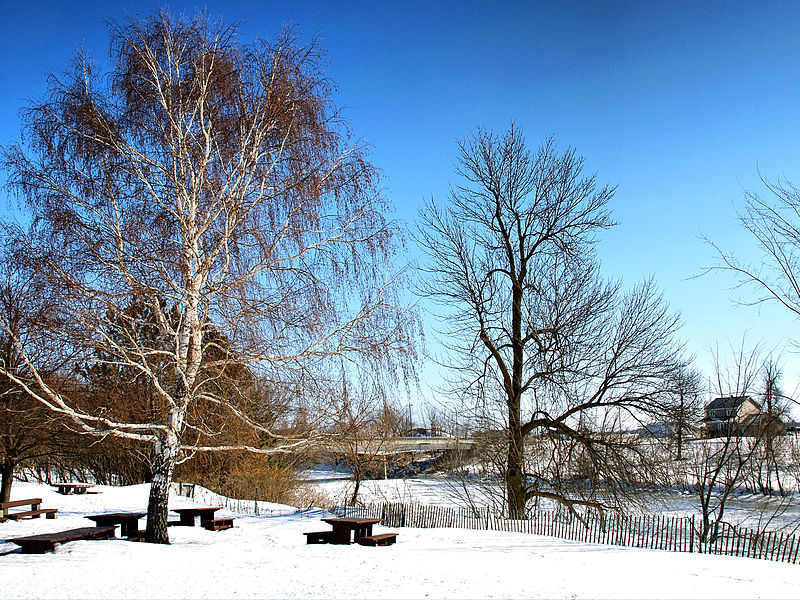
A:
x: 7, y: 477
x: 516, y: 484
x: 166, y: 454
x: 354, y: 495
x: 515, y: 480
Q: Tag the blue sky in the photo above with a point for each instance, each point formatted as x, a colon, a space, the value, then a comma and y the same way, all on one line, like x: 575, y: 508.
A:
x: 678, y: 104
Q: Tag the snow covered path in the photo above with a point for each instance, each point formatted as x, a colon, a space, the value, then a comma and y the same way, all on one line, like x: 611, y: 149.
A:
x: 266, y: 557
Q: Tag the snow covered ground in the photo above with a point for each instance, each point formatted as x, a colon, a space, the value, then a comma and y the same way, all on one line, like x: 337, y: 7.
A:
x: 266, y: 557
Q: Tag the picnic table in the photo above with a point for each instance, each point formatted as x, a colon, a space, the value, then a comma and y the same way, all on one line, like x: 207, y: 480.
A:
x: 128, y: 522
x: 189, y: 515
x: 343, y: 527
x: 67, y: 488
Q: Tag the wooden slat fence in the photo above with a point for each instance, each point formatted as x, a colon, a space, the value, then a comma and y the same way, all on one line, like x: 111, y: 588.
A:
x: 237, y: 505
x: 658, y: 532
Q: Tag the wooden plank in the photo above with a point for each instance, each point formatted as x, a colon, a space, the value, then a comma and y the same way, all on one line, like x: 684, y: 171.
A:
x: 13, y: 503
x: 45, y: 542
x: 737, y: 534
x: 50, y: 513
x: 787, y: 547
x: 671, y: 536
x: 796, y: 544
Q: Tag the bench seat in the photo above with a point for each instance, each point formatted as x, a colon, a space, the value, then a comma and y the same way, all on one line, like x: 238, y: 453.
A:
x: 380, y: 539
x: 319, y: 537
x: 13, y: 503
x: 35, y: 512
x: 50, y: 513
x: 218, y: 524
x: 46, y: 542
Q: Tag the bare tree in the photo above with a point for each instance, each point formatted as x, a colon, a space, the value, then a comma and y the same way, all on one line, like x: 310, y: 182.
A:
x: 214, y: 182
x: 718, y: 466
x: 769, y: 428
x: 717, y: 469
x: 535, y: 330
x: 363, y: 423
x: 683, y: 406
x: 27, y: 431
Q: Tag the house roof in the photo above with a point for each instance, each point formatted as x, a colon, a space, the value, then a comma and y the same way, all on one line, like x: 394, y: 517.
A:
x: 730, y: 402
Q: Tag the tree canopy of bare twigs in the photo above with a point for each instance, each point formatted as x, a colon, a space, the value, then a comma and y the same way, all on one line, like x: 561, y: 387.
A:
x: 363, y: 421
x: 542, y: 347
x: 773, y: 222
x: 213, y: 183
x: 682, y: 406
x: 747, y: 449
x: 27, y: 430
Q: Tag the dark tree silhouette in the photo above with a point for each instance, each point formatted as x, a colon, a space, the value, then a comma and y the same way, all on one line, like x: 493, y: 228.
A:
x: 534, y: 329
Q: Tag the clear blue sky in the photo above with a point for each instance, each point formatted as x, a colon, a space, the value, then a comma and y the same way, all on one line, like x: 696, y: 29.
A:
x: 677, y: 103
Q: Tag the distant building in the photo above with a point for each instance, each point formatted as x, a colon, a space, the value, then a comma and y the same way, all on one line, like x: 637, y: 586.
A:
x: 762, y: 425
x: 729, y: 415
x: 661, y: 429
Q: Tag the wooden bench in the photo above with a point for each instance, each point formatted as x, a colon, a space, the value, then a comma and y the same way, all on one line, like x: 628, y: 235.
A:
x: 46, y: 542
x: 218, y: 524
x: 139, y: 536
x: 35, y: 512
x: 319, y: 537
x: 381, y: 539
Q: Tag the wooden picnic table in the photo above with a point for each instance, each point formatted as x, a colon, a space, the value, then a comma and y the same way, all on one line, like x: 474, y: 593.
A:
x: 188, y: 515
x: 342, y: 527
x: 128, y: 521
x: 66, y: 488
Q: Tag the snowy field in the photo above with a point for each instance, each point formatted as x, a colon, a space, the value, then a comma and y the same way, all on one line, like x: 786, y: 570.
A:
x: 266, y: 557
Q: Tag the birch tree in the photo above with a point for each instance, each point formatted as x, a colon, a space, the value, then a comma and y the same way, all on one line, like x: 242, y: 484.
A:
x: 214, y: 182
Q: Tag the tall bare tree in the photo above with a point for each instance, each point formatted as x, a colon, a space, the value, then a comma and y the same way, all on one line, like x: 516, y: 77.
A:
x: 215, y: 180
x: 532, y: 326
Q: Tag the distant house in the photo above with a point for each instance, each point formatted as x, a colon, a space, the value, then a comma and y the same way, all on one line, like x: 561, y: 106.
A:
x: 762, y: 425
x: 728, y: 416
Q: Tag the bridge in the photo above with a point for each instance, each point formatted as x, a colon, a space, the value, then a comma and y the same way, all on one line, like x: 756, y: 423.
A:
x: 403, y: 445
